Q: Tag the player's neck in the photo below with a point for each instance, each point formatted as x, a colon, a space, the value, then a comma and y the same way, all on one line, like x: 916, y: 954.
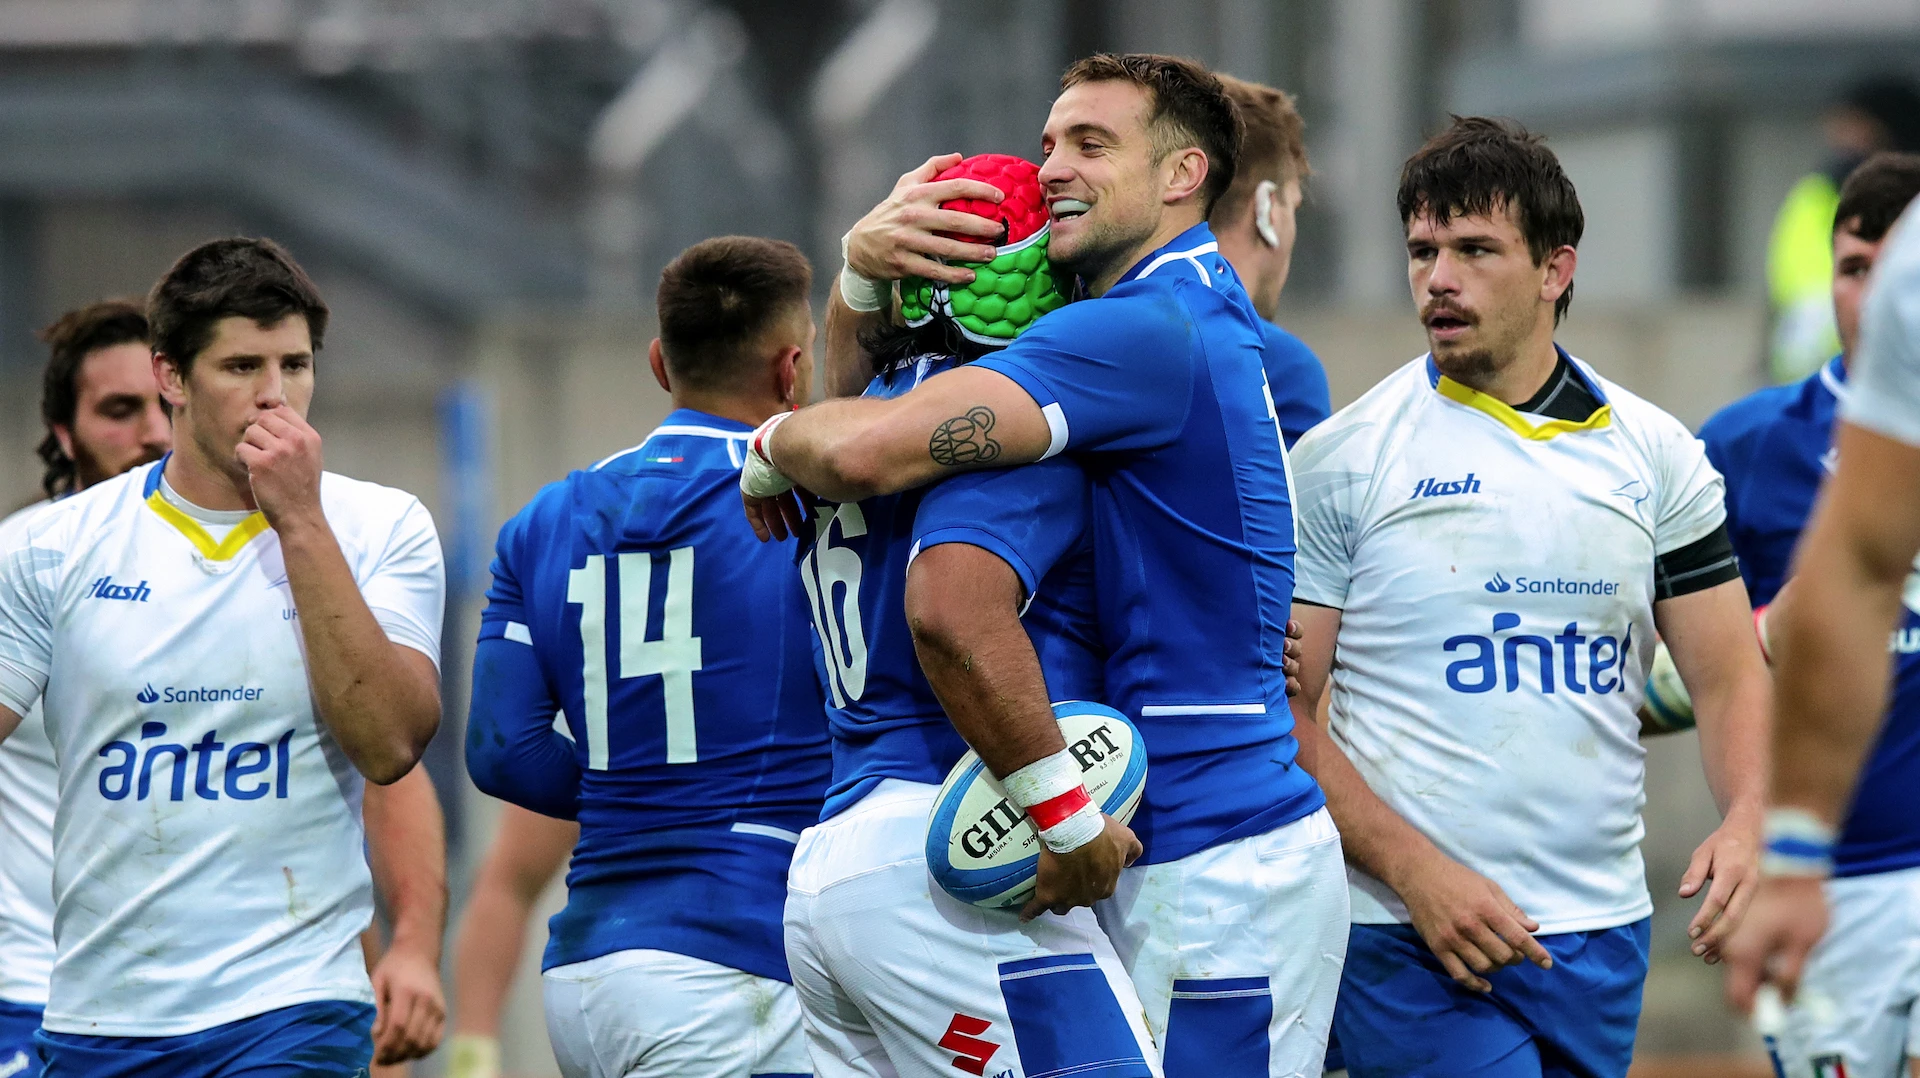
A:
x: 201, y: 482
x: 1173, y: 222
x: 751, y: 411
x: 1516, y: 381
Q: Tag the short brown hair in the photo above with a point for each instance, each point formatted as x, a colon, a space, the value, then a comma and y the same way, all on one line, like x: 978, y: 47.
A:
x: 718, y: 296
x: 1875, y: 193
x: 1190, y: 108
x: 1275, y: 143
x: 239, y: 276
x: 70, y: 340
x: 1479, y: 166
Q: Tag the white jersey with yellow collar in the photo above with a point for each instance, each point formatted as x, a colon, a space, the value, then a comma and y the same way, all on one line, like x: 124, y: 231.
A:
x: 209, y: 857
x: 1496, y: 577
x: 28, y: 778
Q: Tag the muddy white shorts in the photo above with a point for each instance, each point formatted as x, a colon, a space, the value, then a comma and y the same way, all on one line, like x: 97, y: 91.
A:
x: 1855, y: 1014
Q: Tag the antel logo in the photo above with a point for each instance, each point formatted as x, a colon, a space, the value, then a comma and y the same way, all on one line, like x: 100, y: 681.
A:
x: 147, y: 695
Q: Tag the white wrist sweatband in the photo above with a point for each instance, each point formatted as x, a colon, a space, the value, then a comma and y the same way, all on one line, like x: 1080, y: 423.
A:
x: 1796, y: 843
x: 857, y: 292
x: 758, y: 477
x: 1052, y: 794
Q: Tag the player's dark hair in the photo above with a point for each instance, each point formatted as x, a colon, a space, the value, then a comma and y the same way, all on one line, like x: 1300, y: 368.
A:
x: 717, y: 297
x: 248, y: 278
x: 1274, y: 146
x: 1190, y: 108
x: 891, y: 347
x: 1479, y: 167
x: 70, y: 339
x: 1875, y: 194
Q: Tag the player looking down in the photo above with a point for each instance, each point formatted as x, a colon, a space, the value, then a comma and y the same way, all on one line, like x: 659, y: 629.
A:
x: 1487, y: 540
x: 1154, y: 386
x: 1775, y: 449
x: 631, y: 597
x: 1829, y: 632
x: 102, y: 409
x: 224, y: 643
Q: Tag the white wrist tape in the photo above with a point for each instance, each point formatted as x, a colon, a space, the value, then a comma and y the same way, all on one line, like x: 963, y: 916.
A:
x: 860, y: 293
x: 1796, y: 843
x: 1052, y: 794
x: 758, y: 477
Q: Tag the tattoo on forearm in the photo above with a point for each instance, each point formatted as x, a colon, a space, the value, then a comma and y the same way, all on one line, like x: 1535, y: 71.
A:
x: 963, y: 439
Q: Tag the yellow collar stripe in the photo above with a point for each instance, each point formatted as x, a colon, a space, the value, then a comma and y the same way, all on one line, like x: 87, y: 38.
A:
x: 1513, y: 420
x: 241, y: 534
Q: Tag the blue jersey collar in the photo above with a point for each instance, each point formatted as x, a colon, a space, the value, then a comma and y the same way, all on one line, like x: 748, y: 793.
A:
x: 1194, y: 252
x: 694, y: 417
x: 1834, y: 377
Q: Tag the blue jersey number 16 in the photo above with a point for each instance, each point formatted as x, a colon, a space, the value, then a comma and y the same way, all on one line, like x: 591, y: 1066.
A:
x: 675, y: 656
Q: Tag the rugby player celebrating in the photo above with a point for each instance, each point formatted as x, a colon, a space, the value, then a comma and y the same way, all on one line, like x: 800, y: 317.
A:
x: 1155, y: 385
x: 223, y: 643
x: 1488, y: 539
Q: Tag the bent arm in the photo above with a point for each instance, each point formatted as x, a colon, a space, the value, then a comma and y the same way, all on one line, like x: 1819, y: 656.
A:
x: 963, y: 605
x: 849, y: 450
x: 1375, y: 837
x: 9, y: 722
x: 513, y: 751
x: 407, y: 851
x: 848, y: 368
x: 379, y: 699
x: 1710, y: 636
x: 1829, y: 639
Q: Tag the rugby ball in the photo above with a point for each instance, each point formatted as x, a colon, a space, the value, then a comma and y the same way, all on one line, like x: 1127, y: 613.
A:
x: 982, y: 849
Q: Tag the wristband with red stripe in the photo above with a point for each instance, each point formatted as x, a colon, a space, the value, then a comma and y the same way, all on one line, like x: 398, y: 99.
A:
x: 758, y: 476
x: 1051, y: 792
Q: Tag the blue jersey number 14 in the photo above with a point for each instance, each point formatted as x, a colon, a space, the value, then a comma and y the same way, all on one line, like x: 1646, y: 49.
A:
x: 674, y: 656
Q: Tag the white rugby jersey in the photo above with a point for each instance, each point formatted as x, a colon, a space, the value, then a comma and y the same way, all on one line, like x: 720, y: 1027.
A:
x: 209, y: 857
x: 1496, y: 577
x: 1885, y: 379
x: 28, y: 778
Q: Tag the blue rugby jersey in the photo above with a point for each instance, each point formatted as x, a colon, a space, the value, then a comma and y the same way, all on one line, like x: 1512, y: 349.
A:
x: 633, y: 597
x: 1158, y: 389
x: 885, y: 719
x: 1774, y: 448
x: 1298, y: 382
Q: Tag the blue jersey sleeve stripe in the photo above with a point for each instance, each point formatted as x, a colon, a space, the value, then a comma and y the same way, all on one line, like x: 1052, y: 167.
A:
x: 987, y: 541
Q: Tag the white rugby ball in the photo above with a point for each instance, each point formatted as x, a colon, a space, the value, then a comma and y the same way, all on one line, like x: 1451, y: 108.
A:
x: 982, y: 848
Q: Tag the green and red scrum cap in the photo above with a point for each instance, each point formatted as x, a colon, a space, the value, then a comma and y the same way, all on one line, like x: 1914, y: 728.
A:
x: 1012, y: 291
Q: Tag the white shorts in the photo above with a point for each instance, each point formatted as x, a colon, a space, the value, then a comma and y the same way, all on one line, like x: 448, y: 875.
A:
x: 638, y: 1014
x: 1856, y: 1000
x: 896, y: 977
x: 1236, y: 951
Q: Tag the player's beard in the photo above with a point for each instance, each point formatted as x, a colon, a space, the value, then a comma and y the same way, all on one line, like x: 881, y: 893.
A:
x: 1101, y: 247
x: 89, y: 469
x: 1474, y: 368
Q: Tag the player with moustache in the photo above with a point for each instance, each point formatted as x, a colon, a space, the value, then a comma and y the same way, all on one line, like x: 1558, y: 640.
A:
x: 1488, y: 539
x: 1256, y: 226
x: 631, y: 597
x: 1155, y: 387
x: 293, y: 613
x: 103, y: 414
x: 1829, y: 631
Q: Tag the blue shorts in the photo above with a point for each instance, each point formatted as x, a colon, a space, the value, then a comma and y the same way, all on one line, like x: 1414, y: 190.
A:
x: 18, y: 1023
x: 333, y: 1039
x: 1401, y: 1016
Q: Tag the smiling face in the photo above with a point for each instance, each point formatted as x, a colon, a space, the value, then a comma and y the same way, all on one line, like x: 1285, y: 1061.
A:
x: 1104, y: 189
x: 1481, y: 296
x: 245, y: 369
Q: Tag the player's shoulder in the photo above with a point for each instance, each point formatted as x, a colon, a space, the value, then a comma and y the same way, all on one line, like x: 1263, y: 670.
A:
x: 1632, y: 413
x: 371, y: 516
x: 80, y: 516
x: 1360, y: 431
x: 1747, y: 420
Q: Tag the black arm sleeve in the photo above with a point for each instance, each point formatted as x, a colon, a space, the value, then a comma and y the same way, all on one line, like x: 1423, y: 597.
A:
x: 1697, y: 566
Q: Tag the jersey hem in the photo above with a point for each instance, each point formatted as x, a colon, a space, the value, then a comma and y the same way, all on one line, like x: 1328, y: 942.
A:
x: 1595, y: 922
x: 253, y: 1007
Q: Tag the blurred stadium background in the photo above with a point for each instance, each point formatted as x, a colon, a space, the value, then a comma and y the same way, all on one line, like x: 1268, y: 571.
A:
x: 486, y: 190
